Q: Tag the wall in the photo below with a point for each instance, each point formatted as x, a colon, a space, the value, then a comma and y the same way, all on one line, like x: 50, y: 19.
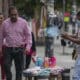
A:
x: 0, y: 5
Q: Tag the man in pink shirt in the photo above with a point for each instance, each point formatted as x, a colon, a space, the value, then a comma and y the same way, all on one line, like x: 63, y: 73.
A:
x: 16, y: 32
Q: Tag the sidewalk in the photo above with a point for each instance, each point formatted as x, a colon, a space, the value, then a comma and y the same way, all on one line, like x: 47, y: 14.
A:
x: 62, y: 60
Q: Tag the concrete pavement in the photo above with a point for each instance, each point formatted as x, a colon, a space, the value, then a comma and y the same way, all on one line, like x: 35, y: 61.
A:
x: 62, y: 60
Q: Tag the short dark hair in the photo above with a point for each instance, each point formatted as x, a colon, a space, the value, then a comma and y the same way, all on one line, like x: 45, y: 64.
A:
x: 78, y: 14
x: 11, y: 8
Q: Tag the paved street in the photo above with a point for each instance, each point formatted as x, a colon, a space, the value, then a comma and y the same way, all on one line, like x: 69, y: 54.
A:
x: 41, y: 14
x: 62, y: 60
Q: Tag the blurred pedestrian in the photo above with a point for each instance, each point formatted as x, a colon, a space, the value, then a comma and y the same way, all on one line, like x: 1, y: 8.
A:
x: 32, y: 52
x: 17, y: 34
x: 3, y: 77
x: 29, y: 16
x: 75, y: 39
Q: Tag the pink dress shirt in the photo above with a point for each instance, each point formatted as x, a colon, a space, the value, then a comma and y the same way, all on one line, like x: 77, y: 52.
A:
x: 16, y: 34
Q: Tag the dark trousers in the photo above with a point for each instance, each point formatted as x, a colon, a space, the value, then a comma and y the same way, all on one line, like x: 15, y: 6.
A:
x: 16, y: 55
x: 28, y: 61
x: 49, y: 46
x: 2, y: 68
x: 33, y: 49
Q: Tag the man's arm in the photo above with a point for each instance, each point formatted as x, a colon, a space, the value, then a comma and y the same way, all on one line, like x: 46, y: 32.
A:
x: 73, y: 36
x: 74, y: 39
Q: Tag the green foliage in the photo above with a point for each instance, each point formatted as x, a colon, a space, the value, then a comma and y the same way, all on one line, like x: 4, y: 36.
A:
x: 59, y: 4
x: 27, y: 7
x: 78, y: 3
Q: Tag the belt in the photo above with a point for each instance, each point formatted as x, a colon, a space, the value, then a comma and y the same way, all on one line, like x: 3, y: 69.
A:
x: 21, y: 46
x: 14, y: 49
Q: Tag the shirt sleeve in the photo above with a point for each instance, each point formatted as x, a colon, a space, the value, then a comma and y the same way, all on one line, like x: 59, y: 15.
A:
x: 28, y: 36
x: 33, y: 43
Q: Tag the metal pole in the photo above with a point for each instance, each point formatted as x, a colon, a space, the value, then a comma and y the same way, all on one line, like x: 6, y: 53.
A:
x: 63, y: 49
x: 74, y: 16
x: 63, y: 14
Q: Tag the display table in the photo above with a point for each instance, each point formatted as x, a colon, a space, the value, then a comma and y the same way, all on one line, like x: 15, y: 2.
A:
x: 42, y: 73
x: 57, y: 76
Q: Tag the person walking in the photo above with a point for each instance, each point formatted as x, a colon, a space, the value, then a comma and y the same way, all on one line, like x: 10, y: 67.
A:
x: 33, y: 47
x: 17, y: 34
x: 3, y: 77
x: 29, y: 16
x: 75, y: 39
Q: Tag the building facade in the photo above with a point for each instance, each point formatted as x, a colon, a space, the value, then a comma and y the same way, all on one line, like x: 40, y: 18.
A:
x: 0, y: 6
x: 4, y: 6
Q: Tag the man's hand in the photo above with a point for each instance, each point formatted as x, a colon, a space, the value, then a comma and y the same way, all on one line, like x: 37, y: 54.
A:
x: 34, y: 53
x: 26, y: 51
x: 65, y: 35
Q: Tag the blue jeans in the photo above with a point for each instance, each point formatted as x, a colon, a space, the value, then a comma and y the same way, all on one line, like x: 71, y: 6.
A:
x: 76, y: 75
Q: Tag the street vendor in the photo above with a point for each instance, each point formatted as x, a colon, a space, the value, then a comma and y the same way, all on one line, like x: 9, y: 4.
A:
x: 75, y: 39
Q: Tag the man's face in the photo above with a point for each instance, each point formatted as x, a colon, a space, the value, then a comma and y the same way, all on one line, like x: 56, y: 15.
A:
x: 13, y: 15
x: 1, y: 18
